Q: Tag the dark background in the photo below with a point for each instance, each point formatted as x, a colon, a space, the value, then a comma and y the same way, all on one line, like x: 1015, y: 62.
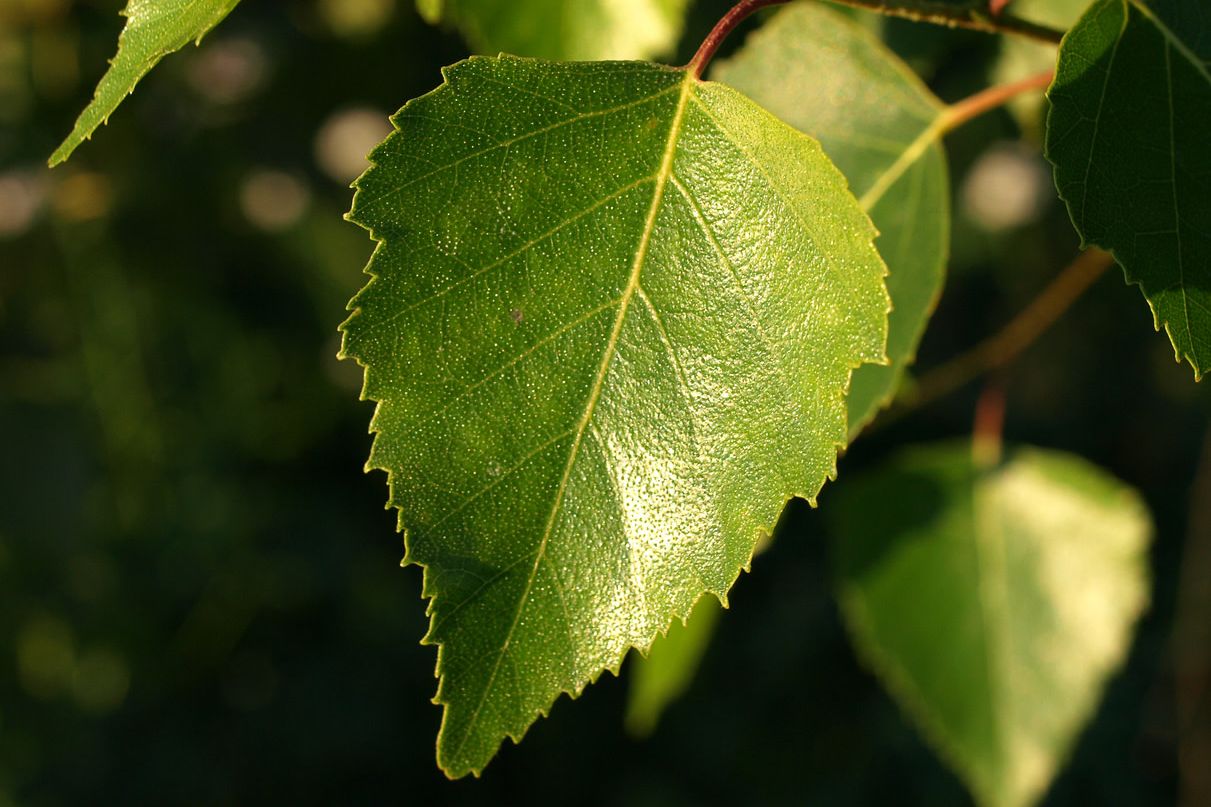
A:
x: 200, y: 593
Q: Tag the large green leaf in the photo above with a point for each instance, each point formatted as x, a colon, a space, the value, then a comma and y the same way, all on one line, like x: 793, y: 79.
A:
x: 1127, y: 133
x: 797, y: 66
x: 154, y: 29
x: 994, y: 602
x: 612, y: 318
x: 564, y: 29
x: 830, y: 77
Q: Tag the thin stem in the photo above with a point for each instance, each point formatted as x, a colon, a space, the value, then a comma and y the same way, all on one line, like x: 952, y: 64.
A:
x: 951, y: 118
x: 975, y: 19
x: 987, y: 433
x: 1002, y: 348
x: 931, y: 11
x: 722, y: 29
x: 986, y: 100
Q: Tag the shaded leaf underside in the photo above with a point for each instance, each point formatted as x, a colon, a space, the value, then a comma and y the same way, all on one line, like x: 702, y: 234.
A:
x: 1127, y: 134
x: 611, y: 322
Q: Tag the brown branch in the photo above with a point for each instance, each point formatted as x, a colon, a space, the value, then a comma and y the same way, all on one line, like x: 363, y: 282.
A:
x: 987, y: 100
x: 1001, y: 349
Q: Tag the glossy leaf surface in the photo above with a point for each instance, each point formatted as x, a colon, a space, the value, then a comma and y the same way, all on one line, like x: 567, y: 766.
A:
x: 799, y: 65
x: 1127, y: 133
x: 994, y: 603
x: 154, y: 29
x: 586, y: 30
x: 827, y: 75
x: 612, y: 318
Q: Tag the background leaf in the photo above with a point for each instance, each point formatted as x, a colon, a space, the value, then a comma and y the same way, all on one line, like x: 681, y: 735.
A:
x: 993, y: 602
x: 607, y: 297
x: 582, y: 30
x: 154, y: 28
x: 831, y: 77
x: 1021, y: 57
x: 1127, y: 133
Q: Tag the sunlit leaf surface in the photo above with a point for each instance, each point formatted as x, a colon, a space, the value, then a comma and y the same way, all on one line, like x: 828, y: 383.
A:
x: 613, y: 315
x: 821, y: 71
x: 827, y: 75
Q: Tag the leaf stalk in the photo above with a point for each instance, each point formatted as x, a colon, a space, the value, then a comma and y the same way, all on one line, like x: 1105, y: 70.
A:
x: 1001, y: 349
x: 987, y: 19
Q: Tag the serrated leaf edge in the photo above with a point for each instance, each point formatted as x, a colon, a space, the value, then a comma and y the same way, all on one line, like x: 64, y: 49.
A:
x: 1128, y: 278
x: 760, y: 529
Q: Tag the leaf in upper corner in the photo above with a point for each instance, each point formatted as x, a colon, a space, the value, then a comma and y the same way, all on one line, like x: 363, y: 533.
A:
x: 1127, y: 134
x: 829, y: 76
x: 612, y: 316
x: 586, y: 30
x: 154, y: 29
x: 993, y: 602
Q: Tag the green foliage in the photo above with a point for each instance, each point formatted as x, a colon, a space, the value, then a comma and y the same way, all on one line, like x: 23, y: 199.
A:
x: 993, y: 601
x: 1022, y: 57
x: 564, y: 29
x: 885, y: 138
x: 154, y: 29
x: 597, y: 318
x: 1127, y: 133
x: 796, y: 66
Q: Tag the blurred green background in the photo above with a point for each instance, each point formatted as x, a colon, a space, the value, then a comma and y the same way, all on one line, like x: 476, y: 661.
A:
x: 200, y: 593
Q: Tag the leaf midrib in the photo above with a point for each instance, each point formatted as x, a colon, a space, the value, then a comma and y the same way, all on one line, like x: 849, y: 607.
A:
x: 661, y: 182
x: 992, y: 593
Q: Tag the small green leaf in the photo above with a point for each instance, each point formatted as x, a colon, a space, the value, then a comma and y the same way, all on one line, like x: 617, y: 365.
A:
x: 993, y: 602
x: 612, y: 317
x: 588, y: 30
x: 1127, y: 133
x: 668, y: 669
x: 830, y: 77
x: 154, y: 28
